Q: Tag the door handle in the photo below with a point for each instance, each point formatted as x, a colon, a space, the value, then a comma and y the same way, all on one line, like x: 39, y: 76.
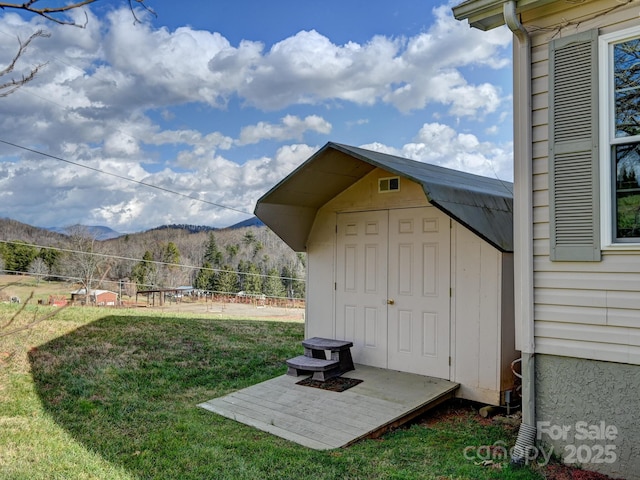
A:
x: 391, y: 301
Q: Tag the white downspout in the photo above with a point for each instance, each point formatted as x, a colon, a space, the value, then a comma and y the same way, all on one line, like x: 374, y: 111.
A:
x: 523, y: 229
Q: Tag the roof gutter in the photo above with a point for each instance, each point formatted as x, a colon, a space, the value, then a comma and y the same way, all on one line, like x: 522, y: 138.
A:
x: 523, y: 229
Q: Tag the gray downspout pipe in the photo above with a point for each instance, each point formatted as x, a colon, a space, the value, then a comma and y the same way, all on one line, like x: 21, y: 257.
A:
x: 524, y: 448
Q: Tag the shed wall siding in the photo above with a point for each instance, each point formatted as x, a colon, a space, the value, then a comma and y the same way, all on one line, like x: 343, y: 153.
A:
x: 480, y: 352
x: 574, y: 314
x: 364, y: 195
x: 320, y: 306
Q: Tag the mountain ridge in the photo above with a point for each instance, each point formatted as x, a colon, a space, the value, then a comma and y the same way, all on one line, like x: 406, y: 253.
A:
x: 102, y: 232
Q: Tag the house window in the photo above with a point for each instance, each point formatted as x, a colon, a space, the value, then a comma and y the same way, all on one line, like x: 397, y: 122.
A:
x: 620, y: 136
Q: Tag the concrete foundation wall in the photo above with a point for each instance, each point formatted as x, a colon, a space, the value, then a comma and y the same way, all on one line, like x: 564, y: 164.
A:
x: 578, y: 398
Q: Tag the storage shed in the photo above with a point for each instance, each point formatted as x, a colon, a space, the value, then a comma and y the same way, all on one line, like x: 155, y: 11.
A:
x: 100, y: 298
x: 411, y: 262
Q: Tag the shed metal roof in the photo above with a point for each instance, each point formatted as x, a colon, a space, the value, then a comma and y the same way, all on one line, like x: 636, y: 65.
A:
x: 483, y: 205
x: 83, y: 291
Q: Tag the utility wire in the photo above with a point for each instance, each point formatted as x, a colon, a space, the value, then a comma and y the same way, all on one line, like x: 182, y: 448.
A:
x: 66, y: 278
x: 118, y: 284
x: 122, y: 177
x: 140, y: 260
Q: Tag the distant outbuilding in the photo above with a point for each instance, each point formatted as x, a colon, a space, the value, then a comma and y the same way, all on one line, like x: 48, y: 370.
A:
x: 101, y: 298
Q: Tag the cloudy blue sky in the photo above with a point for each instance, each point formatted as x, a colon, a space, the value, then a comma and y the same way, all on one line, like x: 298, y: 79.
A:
x: 220, y: 100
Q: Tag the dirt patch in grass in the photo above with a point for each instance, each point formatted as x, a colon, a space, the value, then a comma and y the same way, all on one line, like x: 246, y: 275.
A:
x: 564, y: 472
x: 233, y: 310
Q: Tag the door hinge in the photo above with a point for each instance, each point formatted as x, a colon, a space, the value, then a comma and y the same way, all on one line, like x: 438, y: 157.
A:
x: 449, y: 361
x: 450, y: 292
x: 335, y: 286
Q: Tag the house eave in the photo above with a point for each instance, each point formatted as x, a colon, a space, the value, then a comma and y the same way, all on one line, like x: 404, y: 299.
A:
x: 488, y: 14
x: 483, y: 14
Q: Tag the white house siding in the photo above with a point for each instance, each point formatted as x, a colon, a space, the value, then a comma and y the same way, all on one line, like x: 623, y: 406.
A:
x: 585, y: 310
x: 586, y: 314
x: 482, y: 337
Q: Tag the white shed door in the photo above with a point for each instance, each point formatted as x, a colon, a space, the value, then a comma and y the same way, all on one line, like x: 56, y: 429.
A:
x: 361, y: 285
x: 419, y: 289
x: 392, y: 288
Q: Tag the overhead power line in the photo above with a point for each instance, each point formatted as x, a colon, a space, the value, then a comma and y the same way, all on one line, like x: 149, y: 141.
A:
x: 122, y: 177
x: 139, y: 260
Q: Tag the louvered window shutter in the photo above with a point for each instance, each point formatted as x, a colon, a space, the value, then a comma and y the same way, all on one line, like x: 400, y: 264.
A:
x: 573, y: 148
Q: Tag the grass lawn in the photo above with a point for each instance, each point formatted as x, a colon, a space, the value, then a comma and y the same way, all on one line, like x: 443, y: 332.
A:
x: 112, y: 394
x: 22, y: 286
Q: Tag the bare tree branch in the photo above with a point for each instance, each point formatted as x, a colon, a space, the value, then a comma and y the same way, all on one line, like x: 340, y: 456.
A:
x: 59, y: 14
x: 49, y: 12
x: 7, y: 88
x: 142, y: 4
x: 11, y: 320
x: 32, y: 324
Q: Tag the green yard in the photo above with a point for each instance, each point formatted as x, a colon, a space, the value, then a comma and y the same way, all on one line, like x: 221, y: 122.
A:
x: 112, y: 394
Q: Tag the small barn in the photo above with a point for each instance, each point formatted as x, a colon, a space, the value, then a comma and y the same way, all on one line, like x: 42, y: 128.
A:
x: 101, y: 298
x: 411, y: 262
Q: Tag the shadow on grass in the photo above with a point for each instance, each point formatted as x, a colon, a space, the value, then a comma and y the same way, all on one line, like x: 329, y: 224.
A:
x: 127, y: 388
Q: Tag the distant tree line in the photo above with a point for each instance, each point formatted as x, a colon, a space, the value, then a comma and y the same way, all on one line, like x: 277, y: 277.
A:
x: 184, y: 226
x: 250, y: 277
x: 252, y: 260
x: 22, y: 257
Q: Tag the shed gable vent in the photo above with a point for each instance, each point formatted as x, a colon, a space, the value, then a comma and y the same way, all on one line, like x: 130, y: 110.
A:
x: 389, y: 184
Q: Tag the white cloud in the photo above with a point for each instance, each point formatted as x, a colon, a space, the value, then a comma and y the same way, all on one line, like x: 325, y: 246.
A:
x: 308, y: 68
x: 168, y: 67
x: 84, y: 196
x: 291, y: 128
x: 105, y: 78
x: 76, y: 195
x: 107, y: 91
x: 451, y: 44
x: 440, y: 144
x: 492, y: 130
x: 360, y: 121
x: 200, y: 147
x: 118, y: 143
x: 129, y: 65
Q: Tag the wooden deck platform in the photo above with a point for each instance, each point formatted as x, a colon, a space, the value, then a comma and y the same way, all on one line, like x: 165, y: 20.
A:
x: 322, y: 419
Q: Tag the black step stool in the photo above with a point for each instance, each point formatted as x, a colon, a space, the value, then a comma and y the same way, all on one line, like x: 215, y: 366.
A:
x: 314, y: 361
